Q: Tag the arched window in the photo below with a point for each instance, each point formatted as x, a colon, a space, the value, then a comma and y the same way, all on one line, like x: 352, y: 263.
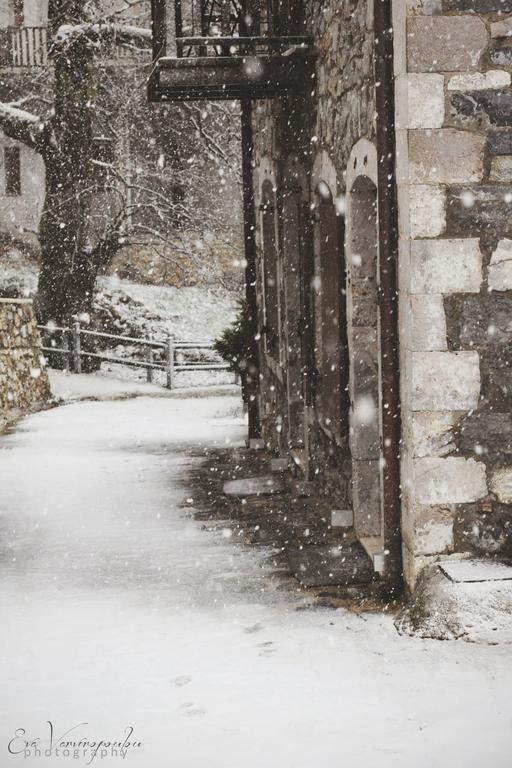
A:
x: 271, y: 282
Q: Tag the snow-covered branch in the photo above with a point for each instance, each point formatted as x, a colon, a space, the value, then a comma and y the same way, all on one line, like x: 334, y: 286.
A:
x: 23, y: 126
x: 98, y: 33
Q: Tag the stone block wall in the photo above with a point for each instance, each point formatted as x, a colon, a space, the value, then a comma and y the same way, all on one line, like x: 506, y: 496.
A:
x: 23, y: 380
x: 453, y: 73
x: 453, y: 65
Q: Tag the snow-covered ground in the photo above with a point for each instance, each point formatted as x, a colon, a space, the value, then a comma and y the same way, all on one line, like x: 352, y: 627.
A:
x: 83, y: 386
x: 118, y: 610
x: 105, y: 386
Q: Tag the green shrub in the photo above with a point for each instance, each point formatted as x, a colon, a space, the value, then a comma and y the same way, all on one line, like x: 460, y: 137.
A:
x: 234, y: 344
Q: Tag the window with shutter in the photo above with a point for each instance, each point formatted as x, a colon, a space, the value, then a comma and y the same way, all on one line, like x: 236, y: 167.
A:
x: 19, y: 13
x: 12, y: 166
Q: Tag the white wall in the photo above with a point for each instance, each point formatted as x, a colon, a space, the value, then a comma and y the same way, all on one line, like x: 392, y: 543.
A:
x: 23, y: 212
x: 6, y: 13
x: 36, y: 13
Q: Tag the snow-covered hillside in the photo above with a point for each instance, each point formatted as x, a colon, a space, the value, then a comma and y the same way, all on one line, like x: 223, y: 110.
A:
x: 190, y: 314
x: 198, y: 313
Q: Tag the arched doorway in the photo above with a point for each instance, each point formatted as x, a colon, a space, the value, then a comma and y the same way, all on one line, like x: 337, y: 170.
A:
x: 364, y: 344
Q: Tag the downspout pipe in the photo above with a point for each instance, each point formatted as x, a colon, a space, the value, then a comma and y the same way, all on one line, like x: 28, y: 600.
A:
x: 253, y: 370
x: 388, y: 293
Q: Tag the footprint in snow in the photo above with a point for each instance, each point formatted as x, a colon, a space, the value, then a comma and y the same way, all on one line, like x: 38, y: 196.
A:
x: 266, y: 648
x: 254, y: 628
x: 182, y: 680
x: 191, y: 710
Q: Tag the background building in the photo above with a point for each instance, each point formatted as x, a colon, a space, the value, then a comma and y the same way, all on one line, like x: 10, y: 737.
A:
x: 181, y: 187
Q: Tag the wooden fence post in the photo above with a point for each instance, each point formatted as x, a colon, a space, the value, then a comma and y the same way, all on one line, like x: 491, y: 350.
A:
x: 149, y: 359
x: 170, y: 361
x: 67, y: 351
x: 77, y: 351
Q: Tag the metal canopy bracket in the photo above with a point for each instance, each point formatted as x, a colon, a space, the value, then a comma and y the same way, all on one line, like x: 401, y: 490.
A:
x: 234, y: 77
x: 228, y: 60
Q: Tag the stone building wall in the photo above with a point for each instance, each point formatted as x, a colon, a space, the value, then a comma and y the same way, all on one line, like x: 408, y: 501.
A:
x: 23, y: 380
x: 453, y: 63
x: 306, y: 141
x: 453, y: 99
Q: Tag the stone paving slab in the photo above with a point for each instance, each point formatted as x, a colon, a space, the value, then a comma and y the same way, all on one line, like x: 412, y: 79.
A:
x: 255, y: 486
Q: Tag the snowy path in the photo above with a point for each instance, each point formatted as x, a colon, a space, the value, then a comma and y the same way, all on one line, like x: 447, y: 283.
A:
x: 118, y: 610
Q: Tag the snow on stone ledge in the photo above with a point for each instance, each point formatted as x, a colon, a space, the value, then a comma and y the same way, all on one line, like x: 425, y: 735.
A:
x: 468, y: 599
x: 475, y: 570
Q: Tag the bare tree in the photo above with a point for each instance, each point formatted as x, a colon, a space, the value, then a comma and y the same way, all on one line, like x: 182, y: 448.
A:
x: 93, y: 205
x: 72, y: 254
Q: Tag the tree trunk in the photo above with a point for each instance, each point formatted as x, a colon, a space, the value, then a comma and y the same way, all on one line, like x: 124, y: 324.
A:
x: 68, y: 271
x: 81, y: 220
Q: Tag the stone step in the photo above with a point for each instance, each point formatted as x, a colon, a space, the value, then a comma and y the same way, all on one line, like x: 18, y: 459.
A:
x: 341, y: 564
x: 265, y: 485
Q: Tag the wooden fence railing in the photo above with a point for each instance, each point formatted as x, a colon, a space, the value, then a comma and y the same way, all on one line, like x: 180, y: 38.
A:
x: 170, y: 353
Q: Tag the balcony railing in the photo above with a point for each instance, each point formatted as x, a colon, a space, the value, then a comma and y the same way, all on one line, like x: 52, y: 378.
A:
x: 239, y: 46
x: 28, y: 46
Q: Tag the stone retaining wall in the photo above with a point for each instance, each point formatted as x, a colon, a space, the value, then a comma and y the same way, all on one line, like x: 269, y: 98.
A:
x: 23, y: 380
